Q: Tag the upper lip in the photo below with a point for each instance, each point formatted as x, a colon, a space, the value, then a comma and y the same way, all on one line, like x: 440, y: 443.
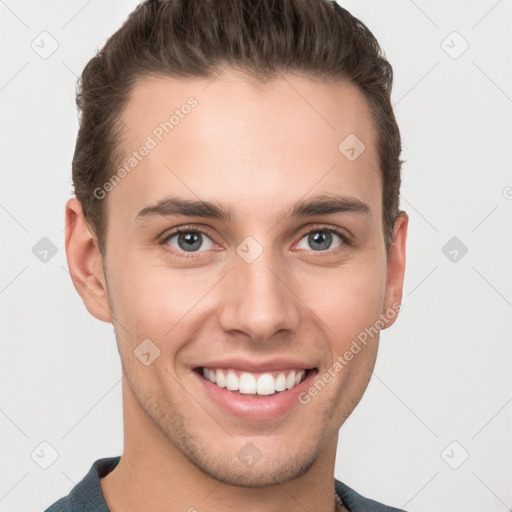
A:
x: 260, y: 366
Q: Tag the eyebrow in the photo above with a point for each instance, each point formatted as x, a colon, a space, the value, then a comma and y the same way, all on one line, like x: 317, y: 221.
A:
x: 318, y: 205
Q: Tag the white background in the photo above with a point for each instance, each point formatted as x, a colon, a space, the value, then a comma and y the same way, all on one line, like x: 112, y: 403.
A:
x: 443, y: 371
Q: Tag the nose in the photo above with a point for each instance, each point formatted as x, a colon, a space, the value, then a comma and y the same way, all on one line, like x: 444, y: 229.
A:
x: 258, y: 299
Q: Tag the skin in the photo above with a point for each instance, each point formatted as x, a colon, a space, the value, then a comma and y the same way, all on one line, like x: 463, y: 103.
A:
x: 257, y: 149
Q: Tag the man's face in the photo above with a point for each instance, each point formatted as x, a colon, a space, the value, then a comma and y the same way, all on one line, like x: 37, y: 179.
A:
x: 259, y: 292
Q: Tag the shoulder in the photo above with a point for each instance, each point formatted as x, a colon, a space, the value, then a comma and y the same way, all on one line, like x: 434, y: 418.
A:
x: 86, y: 495
x: 355, y: 502
x: 62, y: 505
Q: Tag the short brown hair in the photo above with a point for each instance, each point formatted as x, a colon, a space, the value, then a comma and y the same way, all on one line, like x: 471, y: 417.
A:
x: 198, y: 38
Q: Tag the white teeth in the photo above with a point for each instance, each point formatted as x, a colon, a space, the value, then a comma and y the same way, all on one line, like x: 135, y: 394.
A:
x: 281, y: 382
x: 266, y: 384
x: 232, y: 381
x: 249, y: 384
x: 221, y: 380
x: 290, y: 380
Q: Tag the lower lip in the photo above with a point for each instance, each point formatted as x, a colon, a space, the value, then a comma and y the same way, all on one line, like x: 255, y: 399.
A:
x: 261, y: 407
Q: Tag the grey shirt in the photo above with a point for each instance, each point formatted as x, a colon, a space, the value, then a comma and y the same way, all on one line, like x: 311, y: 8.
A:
x: 86, y: 496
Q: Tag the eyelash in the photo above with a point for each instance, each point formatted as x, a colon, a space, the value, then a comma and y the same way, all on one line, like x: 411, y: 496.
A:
x: 315, y: 229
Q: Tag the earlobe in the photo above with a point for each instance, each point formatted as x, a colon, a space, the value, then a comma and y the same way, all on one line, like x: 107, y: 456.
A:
x: 395, y: 270
x: 85, y: 262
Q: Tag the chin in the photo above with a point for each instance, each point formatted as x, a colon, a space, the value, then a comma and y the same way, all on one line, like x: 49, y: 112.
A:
x: 265, y: 472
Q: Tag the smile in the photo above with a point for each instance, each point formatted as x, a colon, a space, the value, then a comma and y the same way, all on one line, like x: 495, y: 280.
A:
x: 255, y: 390
x: 248, y: 383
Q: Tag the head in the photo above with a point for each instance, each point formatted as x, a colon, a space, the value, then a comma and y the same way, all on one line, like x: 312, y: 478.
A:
x: 274, y: 118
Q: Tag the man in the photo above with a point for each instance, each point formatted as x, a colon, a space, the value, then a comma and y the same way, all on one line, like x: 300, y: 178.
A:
x: 236, y: 218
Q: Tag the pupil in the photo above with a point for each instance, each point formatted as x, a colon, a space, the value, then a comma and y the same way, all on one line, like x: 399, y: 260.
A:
x: 322, y: 235
x: 191, y: 239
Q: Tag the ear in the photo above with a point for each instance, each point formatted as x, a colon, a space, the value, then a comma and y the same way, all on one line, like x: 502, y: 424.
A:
x: 85, y: 262
x: 395, y: 271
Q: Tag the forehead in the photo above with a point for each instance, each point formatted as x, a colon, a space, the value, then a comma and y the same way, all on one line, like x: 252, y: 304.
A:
x: 225, y: 138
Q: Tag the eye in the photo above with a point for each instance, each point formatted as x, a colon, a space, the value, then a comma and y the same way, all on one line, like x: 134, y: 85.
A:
x: 187, y: 240
x: 320, y: 239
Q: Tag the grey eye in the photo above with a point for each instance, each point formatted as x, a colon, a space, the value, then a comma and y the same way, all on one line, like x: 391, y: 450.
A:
x: 188, y: 241
x: 320, y: 239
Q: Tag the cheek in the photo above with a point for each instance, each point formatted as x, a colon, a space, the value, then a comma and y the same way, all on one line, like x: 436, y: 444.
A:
x: 348, y: 301
x: 156, y: 302
x: 152, y: 301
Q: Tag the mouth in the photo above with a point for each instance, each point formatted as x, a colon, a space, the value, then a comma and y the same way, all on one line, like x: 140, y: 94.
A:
x: 255, y: 384
x: 255, y: 391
